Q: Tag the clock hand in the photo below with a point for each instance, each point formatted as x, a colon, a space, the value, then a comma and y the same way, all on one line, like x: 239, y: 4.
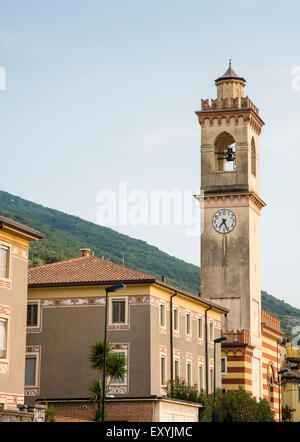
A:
x: 223, y: 222
x: 225, y: 225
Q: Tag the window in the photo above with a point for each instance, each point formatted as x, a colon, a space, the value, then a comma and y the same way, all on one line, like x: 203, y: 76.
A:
x: 223, y: 365
x: 162, y: 310
x: 3, y: 338
x: 175, y: 319
x: 200, y: 374
x: 32, y: 314
x: 4, y: 262
x: 30, y: 371
x: 163, y: 369
x: 211, y: 331
x: 211, y: 376
x: 176, y: 368
x: 122, y: 379
x: 118, y: 310
x: 189, y: 373
x: 188, y: 323
x: 200, y: 327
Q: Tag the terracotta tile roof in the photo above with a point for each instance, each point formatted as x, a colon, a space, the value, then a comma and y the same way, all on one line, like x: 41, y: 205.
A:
x: 83, y: 270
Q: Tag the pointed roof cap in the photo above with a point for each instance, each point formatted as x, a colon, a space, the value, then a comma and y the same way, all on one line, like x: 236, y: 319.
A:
x: 230, y: 74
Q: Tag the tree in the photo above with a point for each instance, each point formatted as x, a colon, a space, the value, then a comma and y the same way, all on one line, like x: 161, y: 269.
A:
x: 115, y: 369
x: 287, y: 412
x: 232, y: 406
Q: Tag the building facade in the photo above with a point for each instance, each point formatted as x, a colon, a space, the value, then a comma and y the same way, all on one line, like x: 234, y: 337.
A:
x: 230, y: 242
x: 14, y: 246
x: 68, y: 299
x: 291, y: 380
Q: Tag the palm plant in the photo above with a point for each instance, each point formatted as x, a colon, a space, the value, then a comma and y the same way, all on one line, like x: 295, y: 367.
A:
x: 115, y: 370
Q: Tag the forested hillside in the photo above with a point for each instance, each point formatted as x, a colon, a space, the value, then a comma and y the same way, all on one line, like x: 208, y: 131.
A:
x: 66, y: 234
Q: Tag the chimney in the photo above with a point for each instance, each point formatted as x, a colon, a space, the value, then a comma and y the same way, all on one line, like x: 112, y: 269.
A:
x: 163, y: 278
x: 84, y: 252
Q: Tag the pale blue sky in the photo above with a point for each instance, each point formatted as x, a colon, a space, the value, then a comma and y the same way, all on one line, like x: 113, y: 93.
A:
x: 105, y: 91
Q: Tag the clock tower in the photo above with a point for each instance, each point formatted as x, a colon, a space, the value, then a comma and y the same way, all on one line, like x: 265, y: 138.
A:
x: 230, y: 240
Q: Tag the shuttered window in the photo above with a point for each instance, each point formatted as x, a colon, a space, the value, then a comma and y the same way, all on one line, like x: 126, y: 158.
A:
x: 176, y: 366
x: 118, y: 310
x: 200, y: 327
x: 201, y: 377
x: 3, y: 338
x: 188, y: 323
x: 175, y: 319
x: 30, y: 370
x: 162, y: 314
x: 189, y: 373
x: 32, y: 314
x: 162, y: 369
x: 4, y: 259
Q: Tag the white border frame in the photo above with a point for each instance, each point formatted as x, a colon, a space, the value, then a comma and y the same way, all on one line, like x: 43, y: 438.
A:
x: 110, y: 301
x: 188, y: 312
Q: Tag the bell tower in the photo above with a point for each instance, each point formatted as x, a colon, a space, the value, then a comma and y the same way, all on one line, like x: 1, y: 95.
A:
x: 230, y: 240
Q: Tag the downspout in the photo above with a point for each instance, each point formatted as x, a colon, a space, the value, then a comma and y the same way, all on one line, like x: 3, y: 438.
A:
x: 171, y: 337
x: 206, y: 350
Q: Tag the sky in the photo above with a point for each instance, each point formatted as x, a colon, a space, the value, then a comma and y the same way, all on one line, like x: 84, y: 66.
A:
x: 100, y: 93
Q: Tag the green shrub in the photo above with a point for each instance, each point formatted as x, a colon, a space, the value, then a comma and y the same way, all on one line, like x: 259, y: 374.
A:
x: 232, y: 406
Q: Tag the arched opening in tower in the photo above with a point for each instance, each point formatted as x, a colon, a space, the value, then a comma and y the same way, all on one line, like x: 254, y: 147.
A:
x: 225, y: 153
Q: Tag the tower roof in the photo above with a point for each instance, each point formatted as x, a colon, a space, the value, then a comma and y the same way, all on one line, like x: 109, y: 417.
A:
x: 230, y: 74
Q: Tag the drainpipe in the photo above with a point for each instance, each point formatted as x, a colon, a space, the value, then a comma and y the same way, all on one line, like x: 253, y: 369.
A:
x: 206, y: 350
x: 171, y: 336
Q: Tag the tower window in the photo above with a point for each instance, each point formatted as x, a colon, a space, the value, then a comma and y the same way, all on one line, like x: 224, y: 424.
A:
x: 225, y: 153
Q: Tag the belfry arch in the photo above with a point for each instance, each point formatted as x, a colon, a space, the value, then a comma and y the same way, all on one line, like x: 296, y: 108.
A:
x: 225, y: 153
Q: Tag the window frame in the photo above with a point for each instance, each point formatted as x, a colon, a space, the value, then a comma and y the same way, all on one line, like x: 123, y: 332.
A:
x: 121, y: 384
x: 38, y: 303
x: 200, y: 379
x: 110, y: 301
x: 211, y: 331
x: 176, y: 359
x: 189, y: 364
x: 163, y: 375
x: 224, y: 358
x: 176, y: 308
x: 7, y: 246
x: 6, y: 320
x: 200, y: 317
x: 32, y: 355
x: 164, y: 324
x: 188, y: 313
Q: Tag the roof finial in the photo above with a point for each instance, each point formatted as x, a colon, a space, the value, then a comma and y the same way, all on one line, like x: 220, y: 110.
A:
x: 230, y: 62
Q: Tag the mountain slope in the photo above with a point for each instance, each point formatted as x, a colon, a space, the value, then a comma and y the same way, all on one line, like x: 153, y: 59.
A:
x: 66, y: 234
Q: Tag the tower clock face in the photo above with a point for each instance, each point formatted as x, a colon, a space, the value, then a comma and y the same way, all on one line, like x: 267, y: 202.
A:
x: 224, y: 221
